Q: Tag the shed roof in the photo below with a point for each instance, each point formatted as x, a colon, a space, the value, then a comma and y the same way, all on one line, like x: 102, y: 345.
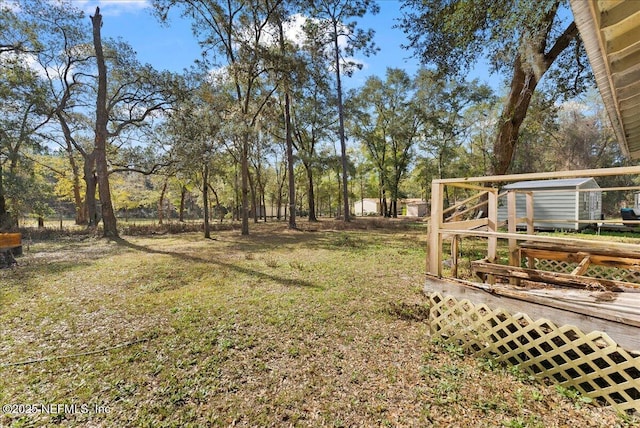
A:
x: 610, y: 30
x: 550, y: 184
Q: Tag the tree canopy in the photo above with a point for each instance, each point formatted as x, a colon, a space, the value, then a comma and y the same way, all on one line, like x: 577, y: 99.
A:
x: 261, y: 126
x: 523, y: 39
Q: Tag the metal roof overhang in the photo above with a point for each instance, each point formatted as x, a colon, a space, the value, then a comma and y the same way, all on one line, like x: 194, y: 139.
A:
x: 610, y: 30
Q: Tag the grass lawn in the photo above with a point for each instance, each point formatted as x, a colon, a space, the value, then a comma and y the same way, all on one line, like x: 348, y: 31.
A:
x: 280, y: 328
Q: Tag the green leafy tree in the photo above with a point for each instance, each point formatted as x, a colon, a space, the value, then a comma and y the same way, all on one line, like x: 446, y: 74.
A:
x: 23, y: 111
x: 236, y: 34
x: 286, y: 66
x: 388, y: 123
x: 334, y: 25
x: 43, y: 35
x: 196, y: 124
x: 444, y: 103
x: 525, y: 38
x: 314, y: 120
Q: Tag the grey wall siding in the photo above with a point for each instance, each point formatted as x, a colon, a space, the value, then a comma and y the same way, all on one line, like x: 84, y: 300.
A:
x: 557, y: 208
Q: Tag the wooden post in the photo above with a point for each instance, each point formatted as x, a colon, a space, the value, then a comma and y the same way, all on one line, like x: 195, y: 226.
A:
x: 455, y: 242
x: 512, y: 220
x: 492, y: 226
x: 530, y: 229
x: 434, y: 253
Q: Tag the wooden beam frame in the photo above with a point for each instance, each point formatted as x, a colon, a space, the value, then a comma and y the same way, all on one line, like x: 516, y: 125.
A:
x: 438, y: 228
x: 558, y: 278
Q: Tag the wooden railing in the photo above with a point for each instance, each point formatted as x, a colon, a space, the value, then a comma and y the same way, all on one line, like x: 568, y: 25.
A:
x: 449, y: 223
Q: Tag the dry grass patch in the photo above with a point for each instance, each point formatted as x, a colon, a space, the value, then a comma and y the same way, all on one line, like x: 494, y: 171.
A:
x: 281, y: 328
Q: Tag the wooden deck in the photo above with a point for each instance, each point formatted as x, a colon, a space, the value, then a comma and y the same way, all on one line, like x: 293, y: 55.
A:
x: 562, y: 308
x: 587, y: 340
x: 616, y: 313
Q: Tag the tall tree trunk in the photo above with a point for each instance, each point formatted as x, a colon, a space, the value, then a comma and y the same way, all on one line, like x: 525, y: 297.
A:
x: 288, y: 138
x: 5, y: 220
x: 253, y: 193
x: 290, y: 165
x: 77, y: 197
x: 91, y: 183
x: 526, y: 76
x: 523, y: 84
x: 80, y: 207
x: 205, y: 200
x: 102, y: 117
x: 163, y: 192
x: 244, y: 170
x: 311, y: 197
x: 343, y: 142
x: 183, y: 195
x: 236, y: 194
x: 384, y: 207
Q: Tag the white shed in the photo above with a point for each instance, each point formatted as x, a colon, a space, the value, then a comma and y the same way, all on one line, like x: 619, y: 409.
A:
x: 366, y: 206
x: 416, y: 208
x: 557, y: 204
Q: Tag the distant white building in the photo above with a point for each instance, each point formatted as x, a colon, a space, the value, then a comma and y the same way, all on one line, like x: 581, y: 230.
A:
x: 414, y: 208
x: 366, y: 206
x: 406, y: 207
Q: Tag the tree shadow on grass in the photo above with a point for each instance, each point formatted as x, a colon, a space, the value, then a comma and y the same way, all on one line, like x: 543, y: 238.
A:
x: 64, y: 256
x: 287, y: 282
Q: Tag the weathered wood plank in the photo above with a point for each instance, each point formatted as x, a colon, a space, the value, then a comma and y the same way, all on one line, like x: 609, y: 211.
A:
x: 563, y: 279
x: 620, y: 262
x: 561, y: 256
x: 581, y: 243
x: 589, y: 311
x: 465, y: 224
x: 582, y: 266
x: 598, y: 172
x: 591, y: 247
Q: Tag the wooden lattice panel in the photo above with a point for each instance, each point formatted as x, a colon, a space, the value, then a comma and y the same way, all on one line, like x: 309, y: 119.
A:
x: 594, y: 271
x: 613, y: 273
x: 554, y: 265
x: 591, y: 363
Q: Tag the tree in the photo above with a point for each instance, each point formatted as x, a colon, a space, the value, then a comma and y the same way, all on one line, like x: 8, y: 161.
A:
x: 18, y: 33
x: 285, y: 68
x: 195, y: 125
x: 23, y: 113
x: 447, y: 130
x: 236, y: 32
x: 126, y: 99
x: 525, y: 36
x: 26, y: 32
x: 388, y: 123
x: 101, y: 133
x: 329, y: 25
x: 313, y: 119
x: 444, y: 103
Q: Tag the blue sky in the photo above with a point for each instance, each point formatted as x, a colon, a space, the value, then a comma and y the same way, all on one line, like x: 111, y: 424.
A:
x: 175, y: 48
